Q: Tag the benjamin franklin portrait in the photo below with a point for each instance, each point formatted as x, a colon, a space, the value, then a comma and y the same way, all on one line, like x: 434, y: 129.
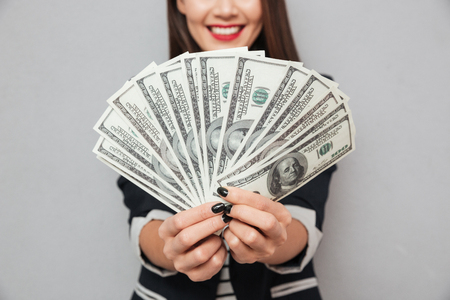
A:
x: 286, y: 173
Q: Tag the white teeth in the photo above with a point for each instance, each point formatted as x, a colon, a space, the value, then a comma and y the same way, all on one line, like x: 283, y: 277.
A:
x: 225, y: 30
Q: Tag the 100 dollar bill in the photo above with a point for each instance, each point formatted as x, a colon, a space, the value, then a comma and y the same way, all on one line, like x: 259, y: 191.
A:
x: 128, y: 104
x: 113, y: 128
x: 313, y: 89
x: 287, y: 172
x: 292, y: 82
x: 216, y: 74
x: 128, y: 167
x: 317, y: 118
x: 251, y: 91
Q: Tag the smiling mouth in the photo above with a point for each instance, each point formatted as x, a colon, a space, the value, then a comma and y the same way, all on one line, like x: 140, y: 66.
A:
x: 225, y: 33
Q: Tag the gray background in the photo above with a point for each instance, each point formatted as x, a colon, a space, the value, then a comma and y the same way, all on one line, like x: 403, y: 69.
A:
x: 63, y: 231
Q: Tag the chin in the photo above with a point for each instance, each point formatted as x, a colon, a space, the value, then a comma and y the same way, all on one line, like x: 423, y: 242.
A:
x: 219, y: 45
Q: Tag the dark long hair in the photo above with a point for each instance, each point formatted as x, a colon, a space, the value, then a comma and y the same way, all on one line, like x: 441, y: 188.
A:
x: 275, y: 37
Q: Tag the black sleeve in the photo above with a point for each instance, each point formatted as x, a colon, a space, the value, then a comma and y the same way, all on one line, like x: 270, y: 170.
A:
x: 313, y: 195
x: 139, y: 202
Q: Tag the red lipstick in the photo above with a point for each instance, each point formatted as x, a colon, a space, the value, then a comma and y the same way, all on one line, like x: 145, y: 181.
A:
x: 223, y: 32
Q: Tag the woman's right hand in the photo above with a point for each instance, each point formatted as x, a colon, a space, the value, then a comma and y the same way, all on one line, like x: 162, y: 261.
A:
x: 190, y: 242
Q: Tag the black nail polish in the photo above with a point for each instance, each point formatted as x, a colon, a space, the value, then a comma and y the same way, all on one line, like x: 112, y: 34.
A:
x: 222, y: 191
x: 218, y: 208
x: 226, y: 218
x: 228, y: 208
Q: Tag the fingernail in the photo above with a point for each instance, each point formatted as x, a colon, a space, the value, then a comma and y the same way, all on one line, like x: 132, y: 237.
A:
x: 226, y: 218
x: 222, y: 191
x: 218, y: 208
x: 228, y: 208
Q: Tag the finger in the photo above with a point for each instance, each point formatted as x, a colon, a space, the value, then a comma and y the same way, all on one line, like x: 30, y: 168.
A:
x: 238, y: 196
x: 200, y: 254
x: 191, y: 235
x: 184, y: 219
x: 210, y: 268
x: 249, y: 235
x: 240, y: 251
x: 266, y: 222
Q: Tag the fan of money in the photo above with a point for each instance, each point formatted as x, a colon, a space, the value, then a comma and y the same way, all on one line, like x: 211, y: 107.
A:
x: 232, y: 117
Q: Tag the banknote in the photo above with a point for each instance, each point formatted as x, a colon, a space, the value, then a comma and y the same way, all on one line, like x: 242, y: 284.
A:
x: 113, y: 128
x: 216, y: 73
x: 128, y: 103
x: 166, y: 200
x: 190, y: 66
x: 115, y: 156
x: 251, y: 92
x: 186, y: 142
x: 165, y: 95
x: 292, y: 81
x: 318, y: 117
x: 330, y: 108
x: 275, y: 120
x: 285, y: 173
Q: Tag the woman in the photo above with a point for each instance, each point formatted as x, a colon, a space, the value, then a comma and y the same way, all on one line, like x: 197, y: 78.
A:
x: 270, y: 244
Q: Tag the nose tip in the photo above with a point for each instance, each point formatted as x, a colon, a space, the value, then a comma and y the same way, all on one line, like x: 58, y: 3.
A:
x: 225, y: 8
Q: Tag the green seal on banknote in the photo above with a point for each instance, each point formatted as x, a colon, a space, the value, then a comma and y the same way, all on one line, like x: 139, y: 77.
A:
x: 260, y: 96
x: 225, y: 88
x: 325, y: 148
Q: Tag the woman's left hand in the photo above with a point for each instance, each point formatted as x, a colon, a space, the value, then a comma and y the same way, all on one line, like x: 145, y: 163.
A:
x: 258, y: 228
